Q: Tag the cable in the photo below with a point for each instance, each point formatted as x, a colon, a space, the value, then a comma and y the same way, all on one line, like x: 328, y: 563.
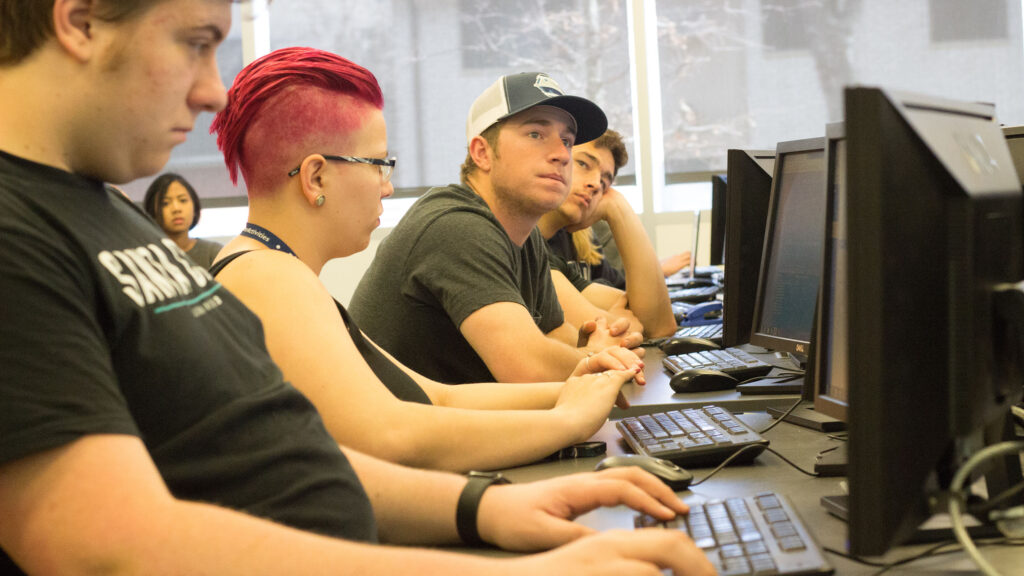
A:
x: 725, y: 463
x: 935, y: 550
x: 787, y: 461
x: 783, y: 417
x: 736, y: 454
x: 957, y: 499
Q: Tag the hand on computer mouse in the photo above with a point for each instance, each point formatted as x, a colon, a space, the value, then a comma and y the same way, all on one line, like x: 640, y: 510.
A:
x: 686, y: 344
x: 701, y: 380
x: 675, y: 477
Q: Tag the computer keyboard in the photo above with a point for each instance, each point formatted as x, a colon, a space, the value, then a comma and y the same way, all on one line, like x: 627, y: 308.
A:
x: 733, y: 361
x: 693, y: 295
x: 711, y: 332
x: 755, y: 535
x: 691, y: 437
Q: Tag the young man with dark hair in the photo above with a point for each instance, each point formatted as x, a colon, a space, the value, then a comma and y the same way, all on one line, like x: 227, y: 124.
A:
x: 461, y: 290
x: 595, y: 165
x: 143, y: 427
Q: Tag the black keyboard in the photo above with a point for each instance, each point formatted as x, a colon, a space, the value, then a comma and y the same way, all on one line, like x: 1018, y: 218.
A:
x: 711, y: 332
x: 691, y: 437
x: 755, y: 535
x: 693, y: 295
x: 733, y: 361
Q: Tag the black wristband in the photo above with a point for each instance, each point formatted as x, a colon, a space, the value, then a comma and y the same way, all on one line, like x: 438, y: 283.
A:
x: 469, y: 504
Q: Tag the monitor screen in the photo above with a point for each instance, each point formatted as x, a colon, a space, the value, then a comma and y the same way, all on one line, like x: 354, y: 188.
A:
x: 787, y: 292
x: 719, y: 183
x: 831, y: 361
x: 746, y: 211
x: 934, y: 252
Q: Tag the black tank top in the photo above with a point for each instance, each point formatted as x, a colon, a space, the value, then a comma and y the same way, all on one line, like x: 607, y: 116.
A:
x: 394, y: 378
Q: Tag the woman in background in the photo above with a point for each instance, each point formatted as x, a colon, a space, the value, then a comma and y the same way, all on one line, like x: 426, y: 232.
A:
x: 173, y: 203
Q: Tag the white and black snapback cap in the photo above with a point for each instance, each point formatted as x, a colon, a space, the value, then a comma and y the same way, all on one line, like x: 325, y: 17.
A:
x: 514, y: 93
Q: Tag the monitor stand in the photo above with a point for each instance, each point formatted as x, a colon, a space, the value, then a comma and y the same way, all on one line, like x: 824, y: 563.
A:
x: 782, y: 384
x: 936, y: 529
x: 808, y: 417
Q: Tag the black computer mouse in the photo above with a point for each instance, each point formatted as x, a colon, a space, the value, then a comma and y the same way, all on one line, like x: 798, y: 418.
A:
x: 702, y: 380
x: 675, y: 477
x: 686, y: 344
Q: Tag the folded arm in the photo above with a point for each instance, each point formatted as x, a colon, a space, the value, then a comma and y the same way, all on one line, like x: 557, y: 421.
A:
x: 645, y: 282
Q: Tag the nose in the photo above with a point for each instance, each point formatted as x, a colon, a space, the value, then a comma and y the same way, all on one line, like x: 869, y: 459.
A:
x: 560, y: 152
x: 387, y: 190
x: 208, y: 93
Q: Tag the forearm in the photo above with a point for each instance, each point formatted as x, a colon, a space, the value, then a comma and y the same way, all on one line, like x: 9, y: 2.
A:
x: 456, y: 439
x: 98, y: 505
x: 204, y: 539
x: 645, y: 283
x: 491, y: 396
x: 550, y: 356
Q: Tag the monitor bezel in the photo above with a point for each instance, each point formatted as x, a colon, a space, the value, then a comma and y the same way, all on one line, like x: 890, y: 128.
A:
x: 744, y: 210
x: 823, y: 401
x: 719, y: 186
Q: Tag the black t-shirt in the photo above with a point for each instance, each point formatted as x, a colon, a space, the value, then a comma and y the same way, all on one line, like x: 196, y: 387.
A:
x: 562, y: 251
x: 107, y: 327
x: 447, y: 258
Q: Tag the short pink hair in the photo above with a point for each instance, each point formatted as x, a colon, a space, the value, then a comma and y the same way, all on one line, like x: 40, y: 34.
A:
x: 285, y: 106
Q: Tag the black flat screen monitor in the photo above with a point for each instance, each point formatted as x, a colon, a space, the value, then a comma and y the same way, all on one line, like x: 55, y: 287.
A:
x: 787, y: 287
x: 719, y: 185
x: 831, y: 360
x: 934, y: 355
x: 749, y: 174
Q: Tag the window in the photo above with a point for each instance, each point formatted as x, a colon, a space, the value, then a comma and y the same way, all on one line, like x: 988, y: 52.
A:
x: 953, y: 21
x: 433, y: 58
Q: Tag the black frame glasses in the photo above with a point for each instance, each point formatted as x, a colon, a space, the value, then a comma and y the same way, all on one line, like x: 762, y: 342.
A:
x: 385, y: 166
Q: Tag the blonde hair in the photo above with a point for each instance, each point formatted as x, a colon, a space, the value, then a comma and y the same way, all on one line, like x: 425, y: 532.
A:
x: 586, y: 250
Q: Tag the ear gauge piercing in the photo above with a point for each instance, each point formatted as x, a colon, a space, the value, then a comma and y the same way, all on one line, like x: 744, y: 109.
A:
x: 320, y: 200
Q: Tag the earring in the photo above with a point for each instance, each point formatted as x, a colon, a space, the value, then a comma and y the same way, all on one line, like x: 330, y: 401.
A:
x: 320, y: 200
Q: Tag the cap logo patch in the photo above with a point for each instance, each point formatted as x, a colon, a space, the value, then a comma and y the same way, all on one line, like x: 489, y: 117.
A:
x: 547, y: 85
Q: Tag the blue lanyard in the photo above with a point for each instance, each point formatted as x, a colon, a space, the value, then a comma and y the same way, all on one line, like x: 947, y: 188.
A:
x: 266, y: 237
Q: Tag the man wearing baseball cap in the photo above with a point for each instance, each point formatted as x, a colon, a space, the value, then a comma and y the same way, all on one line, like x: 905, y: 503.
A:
x: 461, y: 289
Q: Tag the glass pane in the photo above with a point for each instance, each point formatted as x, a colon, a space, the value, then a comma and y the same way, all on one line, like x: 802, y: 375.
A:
x: 432, y: 58
x: 198, y: 159
x: 748, y: 73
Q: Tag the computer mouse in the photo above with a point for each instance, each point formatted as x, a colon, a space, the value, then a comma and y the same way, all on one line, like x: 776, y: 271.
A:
x: 701, y: 380
x: 686, y: 344
x: 675, y: 477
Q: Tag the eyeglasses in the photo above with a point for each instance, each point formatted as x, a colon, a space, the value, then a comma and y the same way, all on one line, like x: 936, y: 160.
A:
x: 386, y: 167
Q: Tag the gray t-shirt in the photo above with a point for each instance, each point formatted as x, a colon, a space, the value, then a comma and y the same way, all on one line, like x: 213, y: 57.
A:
x: 203, y: 252
x: 447, y: 258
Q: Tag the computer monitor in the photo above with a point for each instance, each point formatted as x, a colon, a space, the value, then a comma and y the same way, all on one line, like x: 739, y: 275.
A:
x: 749, y: 174
x: 934, y: 334
x: 1015, y: 141
x: 830, y: 369
x: 719, y: 184
x: 787, y: 287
